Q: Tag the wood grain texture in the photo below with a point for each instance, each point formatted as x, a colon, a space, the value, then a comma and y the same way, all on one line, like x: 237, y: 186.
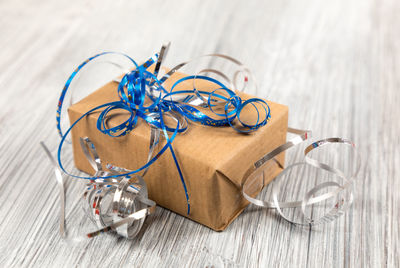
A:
x: 335, y: 64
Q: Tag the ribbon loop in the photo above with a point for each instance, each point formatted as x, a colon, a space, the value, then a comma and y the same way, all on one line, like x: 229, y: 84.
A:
x: 139, y: 87
x: 343, y: 192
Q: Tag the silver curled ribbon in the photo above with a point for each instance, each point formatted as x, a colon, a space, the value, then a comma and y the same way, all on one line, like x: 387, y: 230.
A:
x: 343, y: 192
x: 118, y: 204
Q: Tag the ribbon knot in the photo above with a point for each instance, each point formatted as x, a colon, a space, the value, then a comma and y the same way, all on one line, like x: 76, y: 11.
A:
x: 140, y: 87
x: 135, y: 83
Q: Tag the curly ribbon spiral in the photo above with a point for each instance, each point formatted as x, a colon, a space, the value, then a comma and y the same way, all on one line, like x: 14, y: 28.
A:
x: 118, y: 204
x: 310, y: 198
x: 139, y: 85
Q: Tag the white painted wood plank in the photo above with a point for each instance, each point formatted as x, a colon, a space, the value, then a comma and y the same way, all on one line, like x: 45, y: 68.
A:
x: 336, y: 64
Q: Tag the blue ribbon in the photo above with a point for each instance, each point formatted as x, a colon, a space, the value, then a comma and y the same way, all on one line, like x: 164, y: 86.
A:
x: 132, y: 93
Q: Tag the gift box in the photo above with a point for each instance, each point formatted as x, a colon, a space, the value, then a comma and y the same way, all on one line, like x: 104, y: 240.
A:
x: 215, y: 161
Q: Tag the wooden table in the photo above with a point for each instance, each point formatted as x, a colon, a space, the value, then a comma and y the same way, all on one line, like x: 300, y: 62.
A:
x: 336, y: 65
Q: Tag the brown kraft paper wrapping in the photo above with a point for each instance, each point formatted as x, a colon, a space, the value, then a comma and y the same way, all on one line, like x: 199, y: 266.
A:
x: 215, y: 161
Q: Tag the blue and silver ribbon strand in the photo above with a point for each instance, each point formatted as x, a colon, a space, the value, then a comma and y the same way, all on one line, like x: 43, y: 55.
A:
x: 143, y: 96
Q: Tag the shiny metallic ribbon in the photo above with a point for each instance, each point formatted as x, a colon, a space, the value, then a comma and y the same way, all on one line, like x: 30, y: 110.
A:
x: 311, y: 197
x: 182, y: 105
x: 127, y: 211
x: 128, y: 190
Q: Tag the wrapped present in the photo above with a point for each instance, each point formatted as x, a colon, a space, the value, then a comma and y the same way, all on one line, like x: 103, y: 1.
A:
x: 214, y: 161
x: 194, y: 144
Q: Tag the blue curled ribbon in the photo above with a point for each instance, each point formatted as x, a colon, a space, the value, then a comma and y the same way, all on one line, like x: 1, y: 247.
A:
x: 138, y: 85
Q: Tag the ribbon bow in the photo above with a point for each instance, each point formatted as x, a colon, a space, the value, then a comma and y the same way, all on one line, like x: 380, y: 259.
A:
x: 141, y: 87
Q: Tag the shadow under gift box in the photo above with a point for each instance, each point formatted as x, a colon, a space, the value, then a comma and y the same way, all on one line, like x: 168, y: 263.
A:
x: 215, y: 161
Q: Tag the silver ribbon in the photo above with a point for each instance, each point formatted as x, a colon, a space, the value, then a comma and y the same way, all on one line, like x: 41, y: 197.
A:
x: 129, y: 207
x: 310, y: 197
